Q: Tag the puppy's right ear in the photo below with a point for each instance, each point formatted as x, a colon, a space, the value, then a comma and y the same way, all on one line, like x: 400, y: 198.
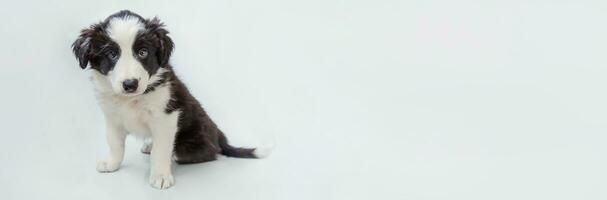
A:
x: 82, y: 47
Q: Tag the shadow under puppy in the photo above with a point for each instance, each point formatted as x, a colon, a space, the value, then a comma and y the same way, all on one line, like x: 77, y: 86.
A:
x: 139, y: 94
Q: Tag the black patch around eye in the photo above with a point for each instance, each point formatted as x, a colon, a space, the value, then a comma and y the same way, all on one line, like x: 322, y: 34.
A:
x: 112, y: 55
x: 106, y: 53
x: 149, y: 41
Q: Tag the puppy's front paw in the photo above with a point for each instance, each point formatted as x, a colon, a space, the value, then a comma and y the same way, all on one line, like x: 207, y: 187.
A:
x: 105, y: 166
x: 162, y: 181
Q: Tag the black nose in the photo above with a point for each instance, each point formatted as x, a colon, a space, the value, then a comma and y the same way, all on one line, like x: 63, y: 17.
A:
x: 130, y: 85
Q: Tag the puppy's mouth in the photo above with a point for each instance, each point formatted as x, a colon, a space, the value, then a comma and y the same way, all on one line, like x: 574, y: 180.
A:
x: 138, y: 92
x: 131, y: 94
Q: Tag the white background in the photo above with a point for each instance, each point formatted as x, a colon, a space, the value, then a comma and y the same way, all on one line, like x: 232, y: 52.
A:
x: 427, y: 99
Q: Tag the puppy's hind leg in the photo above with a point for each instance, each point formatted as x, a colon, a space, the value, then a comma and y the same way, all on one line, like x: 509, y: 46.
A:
x: 195, y: 152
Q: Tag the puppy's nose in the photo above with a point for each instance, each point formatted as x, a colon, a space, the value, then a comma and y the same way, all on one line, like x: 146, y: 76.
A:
x: 130, y: 85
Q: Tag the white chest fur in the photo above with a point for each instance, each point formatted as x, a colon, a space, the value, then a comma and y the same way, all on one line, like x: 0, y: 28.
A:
x: 133, y: 114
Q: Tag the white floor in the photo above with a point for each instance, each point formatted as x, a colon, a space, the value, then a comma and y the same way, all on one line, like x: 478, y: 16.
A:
x: 363, y: 99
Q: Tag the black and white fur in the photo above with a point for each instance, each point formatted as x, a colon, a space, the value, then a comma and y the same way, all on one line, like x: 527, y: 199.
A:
x: 139, y: 94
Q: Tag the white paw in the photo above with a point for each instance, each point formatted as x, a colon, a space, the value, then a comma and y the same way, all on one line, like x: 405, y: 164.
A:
x: 146, y: 148
x: 162, y: 181
x: 105, y: 166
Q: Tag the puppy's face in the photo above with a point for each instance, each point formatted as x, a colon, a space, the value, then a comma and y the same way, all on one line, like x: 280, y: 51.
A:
x: 126, y: 49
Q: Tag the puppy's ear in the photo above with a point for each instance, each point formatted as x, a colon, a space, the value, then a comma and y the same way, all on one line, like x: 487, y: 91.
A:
x: 82, y: 47
x: 163, y: 41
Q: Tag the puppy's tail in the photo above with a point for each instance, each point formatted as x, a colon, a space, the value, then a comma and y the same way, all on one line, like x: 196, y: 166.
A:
x: 240, y: 152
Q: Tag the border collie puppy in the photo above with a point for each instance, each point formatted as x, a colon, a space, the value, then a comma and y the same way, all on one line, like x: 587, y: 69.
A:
x: 139, y: 94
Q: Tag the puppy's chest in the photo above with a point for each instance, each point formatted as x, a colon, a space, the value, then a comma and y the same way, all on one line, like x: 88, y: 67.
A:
x: 135, y: 115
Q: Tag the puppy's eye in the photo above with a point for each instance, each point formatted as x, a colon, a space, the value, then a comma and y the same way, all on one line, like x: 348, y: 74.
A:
x: 142, y: 53
x: 112, y: 55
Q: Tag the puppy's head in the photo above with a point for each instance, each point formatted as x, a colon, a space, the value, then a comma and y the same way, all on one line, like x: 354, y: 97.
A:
x: 126, y: 49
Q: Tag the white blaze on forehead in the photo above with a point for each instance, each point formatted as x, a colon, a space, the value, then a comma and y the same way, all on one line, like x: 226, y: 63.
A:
x: 123, y: 31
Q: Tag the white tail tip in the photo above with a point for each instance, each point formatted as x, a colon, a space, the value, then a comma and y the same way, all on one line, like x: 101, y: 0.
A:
x: 262, y: 152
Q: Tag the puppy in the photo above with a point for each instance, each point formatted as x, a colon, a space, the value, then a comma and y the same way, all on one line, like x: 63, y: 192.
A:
x: 139, y: 94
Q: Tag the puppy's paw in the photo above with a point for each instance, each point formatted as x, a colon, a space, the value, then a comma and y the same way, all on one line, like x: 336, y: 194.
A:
x: 105, y: 166
x: 162, y: 181
x: 146, y: 148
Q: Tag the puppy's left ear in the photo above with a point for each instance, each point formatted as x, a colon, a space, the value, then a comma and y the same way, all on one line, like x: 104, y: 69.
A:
x: 163, y: 41
x: 82, y: 47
